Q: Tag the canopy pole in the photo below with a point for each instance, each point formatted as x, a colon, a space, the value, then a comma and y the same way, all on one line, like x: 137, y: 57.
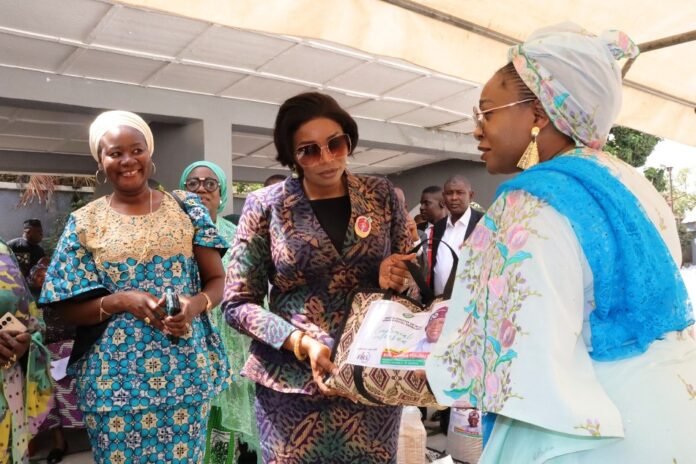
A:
x: 438, y: 15
x: 658, y: 44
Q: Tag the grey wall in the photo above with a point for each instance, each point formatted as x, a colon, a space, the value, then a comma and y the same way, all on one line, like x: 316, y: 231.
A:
x: 13, y: 216
x: 415, y: 180
x: 217, y: 116
x: 176, y: 147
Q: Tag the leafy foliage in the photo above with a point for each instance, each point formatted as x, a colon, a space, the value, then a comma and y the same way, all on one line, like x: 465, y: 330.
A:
x: 683, y: 189
x: 683, y: 193
x: 630, y: 145
x: 241, y: 188
x: 657, y: 177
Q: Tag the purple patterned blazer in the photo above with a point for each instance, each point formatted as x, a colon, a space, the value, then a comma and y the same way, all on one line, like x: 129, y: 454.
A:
x: 280, y: 242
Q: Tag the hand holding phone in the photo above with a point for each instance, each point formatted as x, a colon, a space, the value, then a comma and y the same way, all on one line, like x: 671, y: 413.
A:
x: 14, y: 340
x: 8, y: 321
x: 172, y: 306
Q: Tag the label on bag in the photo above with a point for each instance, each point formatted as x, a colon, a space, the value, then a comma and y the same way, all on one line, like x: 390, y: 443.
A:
x: 391, y: 336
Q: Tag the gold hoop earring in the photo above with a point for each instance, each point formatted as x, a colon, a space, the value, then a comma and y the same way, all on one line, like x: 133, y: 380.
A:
x: 154, y: 168
x: 96, y: 177
x: 530, y: 157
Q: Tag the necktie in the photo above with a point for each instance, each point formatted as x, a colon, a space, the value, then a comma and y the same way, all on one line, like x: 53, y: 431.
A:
x: 430, y: 255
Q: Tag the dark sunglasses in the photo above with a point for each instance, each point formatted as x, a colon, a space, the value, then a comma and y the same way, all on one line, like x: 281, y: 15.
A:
x: 336, y: 147
x: 194, y: 183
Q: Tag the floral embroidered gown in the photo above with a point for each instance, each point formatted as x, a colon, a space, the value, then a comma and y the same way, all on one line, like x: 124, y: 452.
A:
x: 520, y: 344
x: 144, y: 398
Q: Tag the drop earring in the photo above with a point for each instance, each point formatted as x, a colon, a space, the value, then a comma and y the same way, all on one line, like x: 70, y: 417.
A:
x: 530, y: 157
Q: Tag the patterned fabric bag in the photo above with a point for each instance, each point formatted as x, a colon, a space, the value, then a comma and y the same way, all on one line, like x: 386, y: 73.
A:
x: 375, y: 386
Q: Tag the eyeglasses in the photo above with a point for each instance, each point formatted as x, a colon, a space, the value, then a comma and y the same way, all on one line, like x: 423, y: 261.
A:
x: 337, y: 147
x: 194, y: 183
x: 478, y: 114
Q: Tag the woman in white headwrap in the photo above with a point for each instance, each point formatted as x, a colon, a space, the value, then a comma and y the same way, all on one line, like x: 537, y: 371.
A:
x: 570, y: 327
x: 145, y: 377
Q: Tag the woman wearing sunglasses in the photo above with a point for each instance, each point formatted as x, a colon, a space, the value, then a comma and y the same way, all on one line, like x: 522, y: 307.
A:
x: 315, y: 237
x: 232, y: 419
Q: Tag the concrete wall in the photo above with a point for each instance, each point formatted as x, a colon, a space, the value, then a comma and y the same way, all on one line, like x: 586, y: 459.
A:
x: 176, y: 147
x: 13, y: 216
x: 200, y: 125
x: 415, y: 180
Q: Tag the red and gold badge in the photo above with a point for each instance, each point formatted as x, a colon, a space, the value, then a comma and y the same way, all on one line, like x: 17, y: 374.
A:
x: 363, y: 226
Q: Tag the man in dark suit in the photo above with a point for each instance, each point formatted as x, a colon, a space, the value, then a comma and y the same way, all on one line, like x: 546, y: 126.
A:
x: 432, y: 208
x: 452, y: 229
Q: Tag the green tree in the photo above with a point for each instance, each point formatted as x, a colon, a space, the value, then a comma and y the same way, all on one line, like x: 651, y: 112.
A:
x: 657, y: 177
x: 631, y: 145
x: 683, y: 193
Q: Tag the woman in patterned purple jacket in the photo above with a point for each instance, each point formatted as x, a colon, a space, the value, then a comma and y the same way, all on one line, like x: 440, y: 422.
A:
x: 314, y: 238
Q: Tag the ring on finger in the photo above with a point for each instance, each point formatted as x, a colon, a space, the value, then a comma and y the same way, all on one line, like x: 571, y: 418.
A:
x: 147, y: 320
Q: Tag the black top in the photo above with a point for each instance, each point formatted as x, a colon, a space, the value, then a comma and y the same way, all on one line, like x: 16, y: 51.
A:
x: 334, y: 215
x: 57, y: 330
x: 27, y: 254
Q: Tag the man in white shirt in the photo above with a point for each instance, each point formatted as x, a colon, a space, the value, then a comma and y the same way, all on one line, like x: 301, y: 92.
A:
x: 453, y: 229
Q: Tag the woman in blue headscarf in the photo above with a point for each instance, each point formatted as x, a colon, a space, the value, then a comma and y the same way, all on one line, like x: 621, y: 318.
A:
x: 570, y: 322
x: 232, y: 417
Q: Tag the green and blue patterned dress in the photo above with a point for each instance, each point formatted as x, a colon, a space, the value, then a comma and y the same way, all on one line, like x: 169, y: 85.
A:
x: 144, y: 398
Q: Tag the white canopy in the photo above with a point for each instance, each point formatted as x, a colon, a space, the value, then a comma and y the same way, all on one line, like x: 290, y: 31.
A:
x: 468, y: 39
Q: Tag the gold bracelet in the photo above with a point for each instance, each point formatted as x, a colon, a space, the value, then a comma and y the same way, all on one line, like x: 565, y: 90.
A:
x: 102, y: 311
x: 296, y: 347
x: 209, y: 303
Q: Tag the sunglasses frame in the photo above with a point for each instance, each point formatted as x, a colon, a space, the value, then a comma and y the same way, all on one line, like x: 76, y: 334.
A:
x: 322, y: 149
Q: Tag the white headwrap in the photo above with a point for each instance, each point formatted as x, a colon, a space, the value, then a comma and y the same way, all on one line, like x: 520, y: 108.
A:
x: 576, y: 77
x: 111, y: 119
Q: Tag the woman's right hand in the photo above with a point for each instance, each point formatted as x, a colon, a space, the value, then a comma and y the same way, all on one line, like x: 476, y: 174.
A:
x: 320, y: 359
x: 13, y: 345
x: 142, y: 305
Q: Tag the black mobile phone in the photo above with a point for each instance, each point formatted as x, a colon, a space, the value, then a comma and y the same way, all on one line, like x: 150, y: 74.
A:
x: 173, y: 307
x: 172, y: 303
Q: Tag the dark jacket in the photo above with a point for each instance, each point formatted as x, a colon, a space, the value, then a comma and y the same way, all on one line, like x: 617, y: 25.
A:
x: 440, y: 227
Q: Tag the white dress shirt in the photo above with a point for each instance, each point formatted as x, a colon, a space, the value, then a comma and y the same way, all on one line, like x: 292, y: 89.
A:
x: 454, y: 237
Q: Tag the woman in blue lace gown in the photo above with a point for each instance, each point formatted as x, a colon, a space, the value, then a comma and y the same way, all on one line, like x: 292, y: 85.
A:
x: 144, y: 378
x: 570, y: 320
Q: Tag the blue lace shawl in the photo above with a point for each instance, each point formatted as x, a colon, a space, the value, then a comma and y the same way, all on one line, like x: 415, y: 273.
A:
x: 639, y: 292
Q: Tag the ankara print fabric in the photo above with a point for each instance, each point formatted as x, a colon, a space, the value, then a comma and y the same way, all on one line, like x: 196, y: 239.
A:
x: 133, y: 365
x: 317, y: 429
x: 164, y: 435
x: 25, y: 393
x: 280, y: 242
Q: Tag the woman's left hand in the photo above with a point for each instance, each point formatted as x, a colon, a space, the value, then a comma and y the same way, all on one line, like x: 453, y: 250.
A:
x: 13, y: 345
x: 180, y: 324
x: 393, y: 272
